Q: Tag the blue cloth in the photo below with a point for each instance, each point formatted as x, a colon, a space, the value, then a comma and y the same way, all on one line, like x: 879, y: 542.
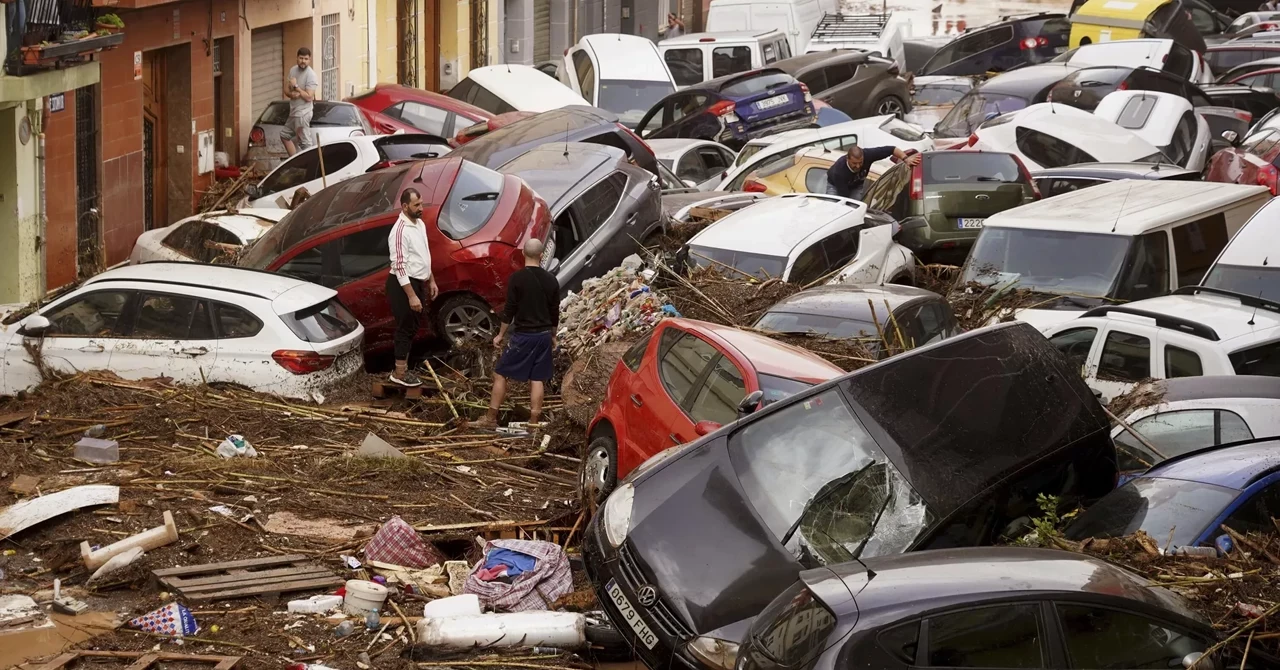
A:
x: 527, y: 357
x: 515, y: 561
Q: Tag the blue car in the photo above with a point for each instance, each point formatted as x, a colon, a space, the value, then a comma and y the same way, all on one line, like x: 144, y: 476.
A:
x: 1185, y: 501
x: 733, y: 109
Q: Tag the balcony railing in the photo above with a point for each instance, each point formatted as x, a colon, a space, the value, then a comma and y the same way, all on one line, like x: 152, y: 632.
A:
x: 53, y: 34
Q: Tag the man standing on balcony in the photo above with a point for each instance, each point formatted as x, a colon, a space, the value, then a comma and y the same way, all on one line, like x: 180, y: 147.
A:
x: 301, y: 92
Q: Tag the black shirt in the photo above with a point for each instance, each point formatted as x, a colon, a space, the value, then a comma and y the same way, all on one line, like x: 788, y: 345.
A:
x: 845, y: 180
x: 533, y: 301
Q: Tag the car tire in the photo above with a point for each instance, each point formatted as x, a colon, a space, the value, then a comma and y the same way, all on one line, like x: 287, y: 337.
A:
x: 599, y: 472
x: 465, y: 318
x: 890, y: 104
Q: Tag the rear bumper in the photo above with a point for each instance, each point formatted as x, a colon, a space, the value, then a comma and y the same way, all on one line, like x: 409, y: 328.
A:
x: 743, y: 131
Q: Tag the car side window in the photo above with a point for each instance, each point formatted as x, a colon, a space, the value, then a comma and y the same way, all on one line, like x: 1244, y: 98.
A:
x: 336, y: 262
x: 338, y: 155
x: 684, y: 357
x: 1179, y: 362
x: 1051, y: 186
x: 770, y: 54
x: 685, y: 65
x: 1146, y: 273
x: 884, y: 192
x: 596, y: 205
x: 1126, y: 357
x: 171, y: 317
x: 427, y: 119
x: 809, y: 266
x: 840, y: 247
x: 1180, y: 61
x: 815, y: 180
x: 635, y: 354
x: 718, y: 397
x: 691, y: 166
x: 489, y: 101
x: 188, y: 239
x: 586, y: 72
x: 901, y: 641
x: 714, y: 161
x: 463, y: 91
x: 730, y: 60
x: 1075, y: 344
x: 1184, y: 137
x: 1176, y: 433
x: 1255, y: 514
x: 1004, y: 636
x: 91, y: 315
x: 839, y: 73
x: 1104, y: 638
x: 815, y: 79
x: 298, y: 170
x: 1196, y: 245
x: 234, y: 322
x: 1048, y: 150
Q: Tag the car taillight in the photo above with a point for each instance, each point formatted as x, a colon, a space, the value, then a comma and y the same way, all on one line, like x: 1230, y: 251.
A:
x: 1033, y: 42
x: 1267, y: 177
x: 1244, y: 116
x: 1026, y: 174
x: 753, y: 186
x: 917, y: 180
x: 707, y: 39
x: 807, y: 96
x: 302, y: 362
x: 257, y: 137
x: 973, y: 139
x: 639, y: 140
x: 722, y: 108
x: 1124, y: 86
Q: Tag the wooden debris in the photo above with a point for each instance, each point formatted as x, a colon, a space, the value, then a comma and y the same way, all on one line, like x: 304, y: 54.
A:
x: 247, y: 578
x: 24, y: 485
x: 142, y: 659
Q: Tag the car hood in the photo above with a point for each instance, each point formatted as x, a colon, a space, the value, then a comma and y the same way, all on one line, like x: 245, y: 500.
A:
x: 1044, y: 319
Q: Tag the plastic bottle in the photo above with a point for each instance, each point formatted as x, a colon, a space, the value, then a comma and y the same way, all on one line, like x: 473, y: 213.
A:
x: 1225, y: 545
x: 1194, y: 551
x: 371, y: 620
x: 96, y: 430
x: 344, y: 629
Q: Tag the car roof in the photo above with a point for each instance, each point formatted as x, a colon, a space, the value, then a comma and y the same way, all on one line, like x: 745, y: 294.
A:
x: 723, y: 82
x: 629, y: 57
x: 555, y: 170
x: 266, y: 285
x: 247, y: 223
x: 1115, y: 171
x: 525, y: 88
x: 1093, y: 54
x: 756, y: 229
x: 1217, y: 386
x: 567, y: 124
x: 1123, y: 207
x: 769, y: 356
x: 695, y: 39
x: 851, y: 302
x: 1163, y: 118
x: 976, y: 572
x: 1233, y: 466
x: 1255, y: 243
x: 797, y: 63
x: 1028, y: 80
x: 1227, y: 315
x: 671, y: 148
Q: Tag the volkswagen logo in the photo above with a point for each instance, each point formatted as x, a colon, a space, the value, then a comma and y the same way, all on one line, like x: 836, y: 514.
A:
x: 982, y: 196
x: 647, y: 596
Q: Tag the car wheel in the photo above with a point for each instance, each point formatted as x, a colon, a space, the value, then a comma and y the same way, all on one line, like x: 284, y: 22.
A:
x: 890, y: 105
x: 465, y: 318
x: 599, y: 472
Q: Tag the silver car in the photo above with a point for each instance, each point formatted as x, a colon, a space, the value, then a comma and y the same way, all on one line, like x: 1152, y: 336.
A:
x: 330, y: 121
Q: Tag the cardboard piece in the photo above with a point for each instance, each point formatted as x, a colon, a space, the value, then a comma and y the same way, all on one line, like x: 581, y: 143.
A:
x: 378, y: 448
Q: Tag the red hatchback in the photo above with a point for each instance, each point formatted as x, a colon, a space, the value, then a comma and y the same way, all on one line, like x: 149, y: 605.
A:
x: 485, y: 127
x: 685, y: 379
x: 477, y: 221
x: 398, y: 106
x: 1254, y: 161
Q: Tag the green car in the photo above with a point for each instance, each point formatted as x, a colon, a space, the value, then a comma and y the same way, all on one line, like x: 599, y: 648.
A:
x: 943, y: 202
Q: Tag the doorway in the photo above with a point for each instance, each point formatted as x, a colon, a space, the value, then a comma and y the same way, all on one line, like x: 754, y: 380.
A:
x: 224, y: 96
x: 167, y: 135
x: 89, y: 257
x: 154, y: 158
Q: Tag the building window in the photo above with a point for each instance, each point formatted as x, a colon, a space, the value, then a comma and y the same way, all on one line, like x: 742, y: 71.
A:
x: 330, y: 86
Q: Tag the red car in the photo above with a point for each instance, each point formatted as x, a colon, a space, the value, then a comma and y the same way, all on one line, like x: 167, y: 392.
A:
x: 1254, y: 161
x: 682, y: 380
x: 477, y: 221
x: 402, y: 107
x: 484, y: 127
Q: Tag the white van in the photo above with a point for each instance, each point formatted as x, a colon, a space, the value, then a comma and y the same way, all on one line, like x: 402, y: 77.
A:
x: 797, y: 19
x: 1122, y: 241
x: 693, y: 59
x: 499, y: 89
x: 883, y: 34
x: 1251, y: 262
x: 623, y: 74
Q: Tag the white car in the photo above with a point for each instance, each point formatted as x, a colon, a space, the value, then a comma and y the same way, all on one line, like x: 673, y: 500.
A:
x: 699, y: 164
x: 1161, y: 54
x: 823, y: 237
x: 330, y: 121
x: 1192, y: 333
x: 194, y: 324
x: 875, y: 131
x: 499, y: 89
x: 1246, y: 265
x: 697, y: 57
x: 1165, y: 120
x: 1048, y: 135
x: 623, y: 74
x: 318, y: 168
x: 204, y: 237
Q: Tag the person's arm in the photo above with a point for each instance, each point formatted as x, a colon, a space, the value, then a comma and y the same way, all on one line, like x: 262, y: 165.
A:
x: 913, y: 159
x: 553, y: 304
x: 874, y: 154
x: 309, y: 92
x: 508, y: 310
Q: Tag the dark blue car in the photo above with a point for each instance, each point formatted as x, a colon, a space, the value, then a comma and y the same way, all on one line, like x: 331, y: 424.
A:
x: 1185, y: 501
x: 732, y: 109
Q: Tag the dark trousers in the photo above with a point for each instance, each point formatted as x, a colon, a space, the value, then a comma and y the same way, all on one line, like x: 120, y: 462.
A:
x: 407, y: 320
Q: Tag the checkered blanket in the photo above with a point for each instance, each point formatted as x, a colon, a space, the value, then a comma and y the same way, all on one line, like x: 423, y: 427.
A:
x: 396, y: 542
x: 536, y: 589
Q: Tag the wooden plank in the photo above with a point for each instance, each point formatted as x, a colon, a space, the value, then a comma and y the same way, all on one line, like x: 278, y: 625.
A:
x: 186, y: 590
x: 143, y: 662
x: 215, y: 567
x: 63, y: 661
x: 7, y: 420
x: 188, y: 582
x: 278, y: 587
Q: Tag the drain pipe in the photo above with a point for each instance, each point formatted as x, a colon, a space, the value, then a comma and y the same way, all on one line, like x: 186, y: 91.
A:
x: 372, y: 31
x: 41, y: 183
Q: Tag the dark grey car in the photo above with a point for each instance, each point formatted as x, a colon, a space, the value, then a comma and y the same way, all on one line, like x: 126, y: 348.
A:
x: 999, y: 607
x: 923, y: 317
x: 602, y: 206
x: 853, y: 82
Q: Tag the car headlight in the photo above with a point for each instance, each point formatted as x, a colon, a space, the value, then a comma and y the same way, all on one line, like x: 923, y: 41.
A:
x: 714, y: 652
x: 617, y: 514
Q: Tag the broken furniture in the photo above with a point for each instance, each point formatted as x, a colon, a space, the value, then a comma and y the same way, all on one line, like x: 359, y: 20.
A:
x: 146, y: 541
x: 247, y: 578
x: 142, y: 660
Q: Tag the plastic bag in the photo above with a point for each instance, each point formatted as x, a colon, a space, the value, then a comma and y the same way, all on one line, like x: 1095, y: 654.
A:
x: 236, y: 445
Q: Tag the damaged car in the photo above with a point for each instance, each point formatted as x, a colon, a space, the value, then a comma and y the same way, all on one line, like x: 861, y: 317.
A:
x: 895, y: 457
x: 205, y: 237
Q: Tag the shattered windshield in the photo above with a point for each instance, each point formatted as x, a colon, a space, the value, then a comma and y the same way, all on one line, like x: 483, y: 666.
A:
x: 974, y: 108
x: 822, y: 486
x: 1172, y: 511
x: 1050, y: 261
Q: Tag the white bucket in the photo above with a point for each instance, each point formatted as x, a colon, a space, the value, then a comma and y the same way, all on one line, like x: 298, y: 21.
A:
x: 467, y: 604
x: 363, y: 597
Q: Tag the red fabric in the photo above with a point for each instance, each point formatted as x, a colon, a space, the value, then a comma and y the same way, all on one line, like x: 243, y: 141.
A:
x: 396, y: 542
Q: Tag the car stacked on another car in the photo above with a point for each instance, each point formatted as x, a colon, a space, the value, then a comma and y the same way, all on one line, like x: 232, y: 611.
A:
x: 873, y: 314
x: 622, y: 74
x: 1059, y: 180
x: 1048, y: 135
x: 330, y: 121
x: 1007, y: 44
x: 415, y: 110
x: 1002, y: 94
x: 853, y: 82
x: 699, y: 164
x: 205, y: 237
x: 732, y: 110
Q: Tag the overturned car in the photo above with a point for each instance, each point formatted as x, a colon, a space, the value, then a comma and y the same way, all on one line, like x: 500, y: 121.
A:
x: 944, y: 446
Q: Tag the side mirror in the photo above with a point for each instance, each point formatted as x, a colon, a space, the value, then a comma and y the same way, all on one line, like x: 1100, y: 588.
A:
x: 1230, y: 136
x: 705, y: 427
x: 553, y: 265
x: 253, y: 191
x: 35, y: 326
x: 1097, y: 393
x: 750, y: 403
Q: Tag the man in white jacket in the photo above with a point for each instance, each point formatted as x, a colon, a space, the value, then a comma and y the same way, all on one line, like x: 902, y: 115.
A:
x: 410, y: 274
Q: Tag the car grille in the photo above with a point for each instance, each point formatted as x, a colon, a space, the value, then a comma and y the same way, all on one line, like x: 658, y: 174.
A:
x: 659, y: 614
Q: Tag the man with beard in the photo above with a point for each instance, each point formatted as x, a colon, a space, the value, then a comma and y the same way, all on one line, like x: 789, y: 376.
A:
x: 301, y: 92
x: 410, y: 274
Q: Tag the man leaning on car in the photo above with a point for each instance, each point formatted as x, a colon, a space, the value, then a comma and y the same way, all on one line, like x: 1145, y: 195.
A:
x: 847, y: 177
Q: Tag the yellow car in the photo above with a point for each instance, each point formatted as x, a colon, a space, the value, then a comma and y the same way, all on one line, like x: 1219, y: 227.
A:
x: 805, y: 172
x: 1097, y: 21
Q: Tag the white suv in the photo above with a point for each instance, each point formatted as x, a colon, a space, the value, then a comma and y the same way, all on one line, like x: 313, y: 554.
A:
x: 1195, y: 331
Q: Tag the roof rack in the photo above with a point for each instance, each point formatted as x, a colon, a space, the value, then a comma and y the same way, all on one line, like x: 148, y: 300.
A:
x: 1244, y: 298
x: 835, y: 27
x: 1162, y: 320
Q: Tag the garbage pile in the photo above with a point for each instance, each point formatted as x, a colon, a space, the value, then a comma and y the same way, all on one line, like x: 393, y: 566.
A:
x: 617, y: 306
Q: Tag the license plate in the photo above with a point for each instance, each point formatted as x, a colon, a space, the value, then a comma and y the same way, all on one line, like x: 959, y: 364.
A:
x: 966, y: 224
x: 646, y: 636
x: 775, y: 101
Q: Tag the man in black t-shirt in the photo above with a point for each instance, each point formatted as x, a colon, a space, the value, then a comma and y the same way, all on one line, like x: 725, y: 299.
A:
x: 533, y: 314
x: 847, y: 177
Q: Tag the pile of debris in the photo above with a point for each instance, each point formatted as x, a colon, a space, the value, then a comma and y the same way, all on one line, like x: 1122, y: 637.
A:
x: 615, y: 307
x: 225, y: 193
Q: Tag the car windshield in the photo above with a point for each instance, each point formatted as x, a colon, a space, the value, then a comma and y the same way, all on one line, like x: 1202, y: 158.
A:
x: 1050, y: 261
x: 939, y: 94
x: 471, y: 201
x: 822, y: 486
x: 762, y: 266
x: 974, y: 108
x: 966, y: 167
x: 334, y: 114
x: 631, y: 100
x: 1254, y: 280
x: 755, y: 83
x: 275, y: 114
x: 820, y: 324
x: 1156, y: 506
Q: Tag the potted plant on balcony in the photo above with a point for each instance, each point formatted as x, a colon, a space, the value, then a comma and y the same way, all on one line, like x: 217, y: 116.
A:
x: 109, y: 24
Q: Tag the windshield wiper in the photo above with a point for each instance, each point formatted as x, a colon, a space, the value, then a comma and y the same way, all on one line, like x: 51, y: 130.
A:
x: 833, y: 487
x: 1002, y: 181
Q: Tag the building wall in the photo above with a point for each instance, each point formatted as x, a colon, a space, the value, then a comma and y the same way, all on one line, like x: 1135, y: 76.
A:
x: 518, y: 32
x: 495, y: 15
x: 20, y: 259
x: 61, y: 215
x: 462, y: 32
x: 386, y: 46
x: 448, y: 46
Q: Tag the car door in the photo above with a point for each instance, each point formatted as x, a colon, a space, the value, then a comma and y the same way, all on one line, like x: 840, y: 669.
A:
x: 1077, y: 345
x: 82, y: 335
x: 654, y: 413
x: 170, y: 335
x: 1176, y: 433
x: 242, y: 345
x: 596, y: 250
x: 1124, y: 360
x: 716, y: 398
x: 690, y: 167
x: 1004, y: 635
x: 716, y: 160
x: 1095, y: 636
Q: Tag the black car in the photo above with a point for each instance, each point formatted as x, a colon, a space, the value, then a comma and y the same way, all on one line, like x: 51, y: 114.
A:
x: 1059, y: 180
x: 575, y: 123
x: 1001, y: 94
x: 1258, y: 101
x: 1004, y: 45
x: 942, y: 446
x: 853, y: 82
x: 842, y: 311
x: 602, y: 206
x: 1004, y: 607
x: 1223, y: 57
x: 733, y: 109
